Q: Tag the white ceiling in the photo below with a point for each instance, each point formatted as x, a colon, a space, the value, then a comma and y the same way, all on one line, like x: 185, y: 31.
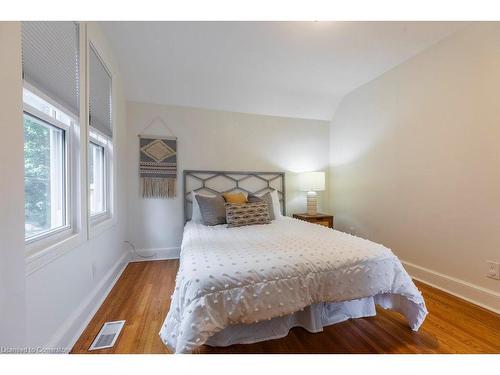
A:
x: 292, y: 69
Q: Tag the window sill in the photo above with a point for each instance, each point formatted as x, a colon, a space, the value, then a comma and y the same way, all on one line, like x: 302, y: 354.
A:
x: 39, y: 254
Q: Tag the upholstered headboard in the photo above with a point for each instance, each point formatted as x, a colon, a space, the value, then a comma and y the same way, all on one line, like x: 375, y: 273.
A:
x: 217, y: 182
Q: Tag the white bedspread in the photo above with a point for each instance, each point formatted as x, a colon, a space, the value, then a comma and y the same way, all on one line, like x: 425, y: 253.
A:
x: 230, y: 276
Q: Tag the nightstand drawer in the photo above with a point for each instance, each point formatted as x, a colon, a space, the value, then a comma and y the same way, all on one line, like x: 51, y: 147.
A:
x: 325, y: 223
x: 320, y: 219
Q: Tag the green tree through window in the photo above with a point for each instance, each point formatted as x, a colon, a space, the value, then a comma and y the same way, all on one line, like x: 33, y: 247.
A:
x: 37, y: 184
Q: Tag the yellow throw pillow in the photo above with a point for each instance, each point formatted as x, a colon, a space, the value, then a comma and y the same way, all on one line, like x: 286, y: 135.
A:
x: 237, y: 198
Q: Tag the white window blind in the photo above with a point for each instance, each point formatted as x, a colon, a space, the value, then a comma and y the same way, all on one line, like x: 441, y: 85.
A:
x: 100, y: 95
x: 51, y: 60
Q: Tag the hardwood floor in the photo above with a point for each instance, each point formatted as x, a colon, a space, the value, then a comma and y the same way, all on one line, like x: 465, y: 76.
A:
x: 142, y: 297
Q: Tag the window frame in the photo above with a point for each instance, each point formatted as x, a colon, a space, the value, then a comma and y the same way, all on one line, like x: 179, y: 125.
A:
x: 104, y: 220
x: 51, y: 238
x: 40, y: 253
x: 106, y: 214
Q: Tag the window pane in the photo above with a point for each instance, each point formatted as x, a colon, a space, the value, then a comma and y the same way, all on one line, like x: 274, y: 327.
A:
x: 96, y: 179
x: 44, y: 177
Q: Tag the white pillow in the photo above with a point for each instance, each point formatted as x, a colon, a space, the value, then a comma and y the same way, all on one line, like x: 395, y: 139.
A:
x: 276, y: 204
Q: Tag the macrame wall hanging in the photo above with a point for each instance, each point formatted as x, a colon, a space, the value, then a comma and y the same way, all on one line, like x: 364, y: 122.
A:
x: 158, y: 163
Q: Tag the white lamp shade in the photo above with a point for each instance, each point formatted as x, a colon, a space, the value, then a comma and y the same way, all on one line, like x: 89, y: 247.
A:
x: 312, y: 181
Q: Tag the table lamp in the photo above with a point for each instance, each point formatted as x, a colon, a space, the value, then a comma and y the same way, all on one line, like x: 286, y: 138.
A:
x: 312, y: 182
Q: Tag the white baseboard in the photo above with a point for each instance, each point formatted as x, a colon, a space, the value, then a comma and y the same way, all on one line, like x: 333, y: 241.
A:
x: 69, y: 332
x: 155, y: 254
x: 67, y: 335
x: 487, y: 298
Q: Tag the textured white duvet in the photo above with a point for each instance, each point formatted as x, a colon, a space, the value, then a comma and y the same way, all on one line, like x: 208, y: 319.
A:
x: 229, y: 276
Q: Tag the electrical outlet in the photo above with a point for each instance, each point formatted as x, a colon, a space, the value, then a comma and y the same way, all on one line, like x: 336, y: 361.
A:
x: 93, y: 270
x: 493, y: 270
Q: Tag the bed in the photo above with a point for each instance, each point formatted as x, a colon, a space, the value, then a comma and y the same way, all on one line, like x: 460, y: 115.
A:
x: 254, y: 283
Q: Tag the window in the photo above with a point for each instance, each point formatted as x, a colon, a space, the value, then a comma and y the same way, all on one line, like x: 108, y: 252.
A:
x: 100, y: 139
x: 47, y: 132
x: 97, y: 174
x: 50, y: 57
x: 44, y: 177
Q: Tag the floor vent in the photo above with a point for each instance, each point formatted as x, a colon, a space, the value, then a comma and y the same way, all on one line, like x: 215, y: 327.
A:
x: 108, y: 334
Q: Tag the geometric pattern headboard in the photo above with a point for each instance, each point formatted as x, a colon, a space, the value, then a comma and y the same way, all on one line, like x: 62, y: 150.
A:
x: 217, y: 182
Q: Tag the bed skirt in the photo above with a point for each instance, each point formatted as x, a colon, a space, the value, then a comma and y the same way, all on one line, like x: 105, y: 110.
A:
x: 312, y: 318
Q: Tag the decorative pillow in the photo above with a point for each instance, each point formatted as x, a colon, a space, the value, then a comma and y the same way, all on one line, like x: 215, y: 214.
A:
x: 196, y: 213
x: 253, y: 199
x: 264, y: 198
x: 238, y: 215
x: 235, y: 197
x: 212, y: 209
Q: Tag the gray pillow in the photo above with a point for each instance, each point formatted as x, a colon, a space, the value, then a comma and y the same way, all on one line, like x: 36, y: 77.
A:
x: 212, y: 209
x: 254, y: 199
x: 264, y: 198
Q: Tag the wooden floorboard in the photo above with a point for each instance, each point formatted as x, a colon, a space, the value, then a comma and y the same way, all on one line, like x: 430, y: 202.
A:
x: 142, y: 297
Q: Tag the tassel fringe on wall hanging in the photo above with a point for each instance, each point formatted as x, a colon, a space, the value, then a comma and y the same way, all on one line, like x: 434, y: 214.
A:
x: 158, y: 166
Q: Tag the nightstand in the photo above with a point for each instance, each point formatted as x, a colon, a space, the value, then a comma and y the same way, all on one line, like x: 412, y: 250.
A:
x: 321, y: 219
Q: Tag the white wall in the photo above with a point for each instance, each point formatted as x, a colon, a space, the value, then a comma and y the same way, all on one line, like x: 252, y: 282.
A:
x: 218, y: 140
x: 60, y: 296
x: 12, y: 285
x: 415, y: 162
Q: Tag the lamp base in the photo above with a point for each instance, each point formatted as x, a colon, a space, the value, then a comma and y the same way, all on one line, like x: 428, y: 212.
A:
x: 312, y: 203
